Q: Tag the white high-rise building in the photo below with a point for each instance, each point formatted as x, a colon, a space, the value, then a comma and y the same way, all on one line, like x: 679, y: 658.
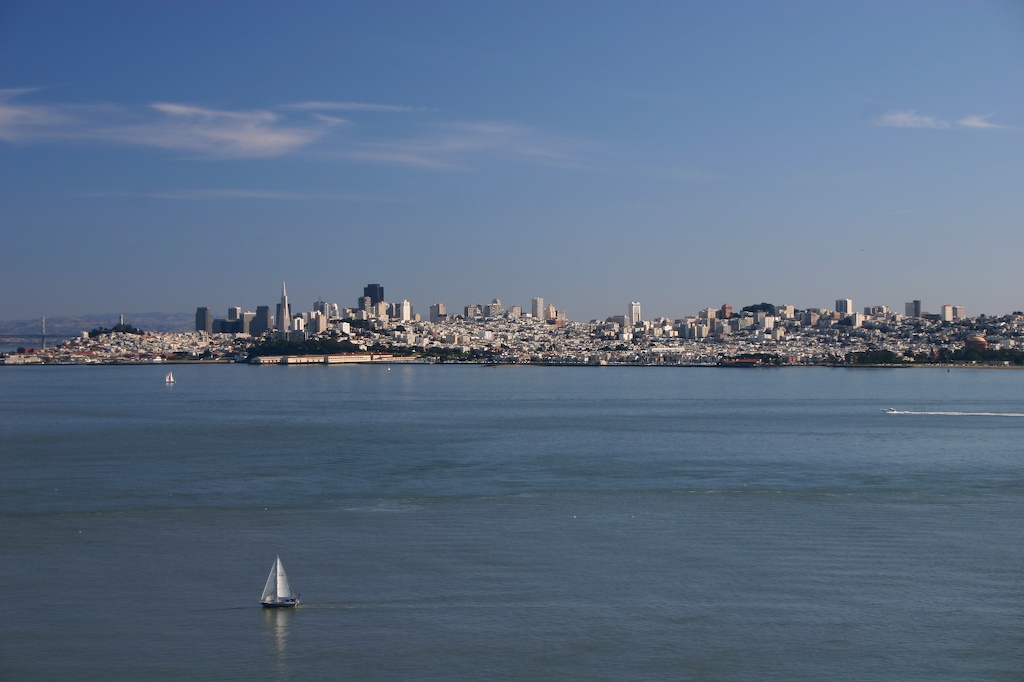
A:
x: 317, y: 322
x: 538, y: 308
x: 634, y: 316
x: 844, y: 306
x: 403, y: 311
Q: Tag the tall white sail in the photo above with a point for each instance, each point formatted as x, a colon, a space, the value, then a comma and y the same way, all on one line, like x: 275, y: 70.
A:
x: 270, y: 589
x: 283, y: 590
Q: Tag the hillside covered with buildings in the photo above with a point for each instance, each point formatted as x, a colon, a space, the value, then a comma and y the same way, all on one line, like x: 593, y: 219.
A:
x: 377, y: 331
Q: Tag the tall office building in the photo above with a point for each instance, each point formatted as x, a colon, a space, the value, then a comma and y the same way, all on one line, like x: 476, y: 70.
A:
x: 375, y: 292
x: 438, y: 312
x: 284, y: 312
x: 538, y: 308
x: 247, y: 318
x: 234, y: 314
x: 634, y: 316
x: 913, y: 309
x: 204, y: 320
x: 844, y: 306
x: 263, y: 322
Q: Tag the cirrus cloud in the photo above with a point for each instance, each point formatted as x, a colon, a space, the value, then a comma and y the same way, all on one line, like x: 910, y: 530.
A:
x: 453, y: 146
x: 978, y: 121
x: 288, y: 129
x: 201, y: 194
x: 350, y: 106
x: 24, y: 121
x: 909, y: 119
x: 912, y: 119
x: 217, y: 133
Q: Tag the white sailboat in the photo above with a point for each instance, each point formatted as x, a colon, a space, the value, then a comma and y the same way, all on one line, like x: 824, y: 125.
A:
x: 277, y: 593
x: 169, y: 378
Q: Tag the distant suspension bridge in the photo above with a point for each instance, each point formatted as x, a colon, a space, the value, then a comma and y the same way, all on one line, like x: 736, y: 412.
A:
x: 42, y: 336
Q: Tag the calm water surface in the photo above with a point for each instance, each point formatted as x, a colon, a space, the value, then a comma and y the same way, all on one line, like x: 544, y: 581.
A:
x: 473, y: 523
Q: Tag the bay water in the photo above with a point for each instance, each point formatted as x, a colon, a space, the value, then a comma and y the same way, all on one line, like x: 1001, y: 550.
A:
x: 512, y: 523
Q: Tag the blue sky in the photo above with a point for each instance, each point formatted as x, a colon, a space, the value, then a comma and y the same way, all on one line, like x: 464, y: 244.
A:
x: 158, y: 156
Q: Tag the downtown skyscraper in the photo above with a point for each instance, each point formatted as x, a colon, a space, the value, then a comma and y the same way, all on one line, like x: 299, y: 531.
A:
x: 284, y: 311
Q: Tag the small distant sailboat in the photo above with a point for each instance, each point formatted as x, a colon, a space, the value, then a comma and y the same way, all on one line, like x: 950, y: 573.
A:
x: 169, y: 378
x: 277, y: 593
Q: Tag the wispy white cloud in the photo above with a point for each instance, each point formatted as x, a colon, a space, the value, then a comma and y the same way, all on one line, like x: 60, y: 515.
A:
x: 332, y: 120
x: 978, y: 121
x: 9, y: 93
x: 214, y: 132
x: 218, y: 133
x: 187, y: 111
x: 229, y: 193
x: 459, y: 145
x: 400, y: 155
x: 208, y: 132
x: 350, y: 106
x: 909, y: 119
x: 20, y: 122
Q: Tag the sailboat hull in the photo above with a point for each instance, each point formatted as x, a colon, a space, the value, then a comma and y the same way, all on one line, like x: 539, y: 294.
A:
x: 280, y: 604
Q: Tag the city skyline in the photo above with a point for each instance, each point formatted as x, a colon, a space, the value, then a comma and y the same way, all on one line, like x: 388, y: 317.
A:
x: 377, y: 331
x: 267, y: 315
x: 683, y: 155
x: 374, y: 304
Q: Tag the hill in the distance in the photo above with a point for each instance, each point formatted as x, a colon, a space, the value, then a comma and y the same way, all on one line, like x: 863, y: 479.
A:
x: 73, y: 326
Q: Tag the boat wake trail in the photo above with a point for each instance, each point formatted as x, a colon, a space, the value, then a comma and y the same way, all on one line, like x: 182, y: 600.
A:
x: 959, y: 414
